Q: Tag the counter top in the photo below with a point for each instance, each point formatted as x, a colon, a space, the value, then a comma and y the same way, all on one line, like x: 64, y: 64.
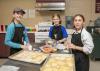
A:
x: 70, y: 31
x: 23, y: 66
x: 27, y: 32
x: 2, y: 32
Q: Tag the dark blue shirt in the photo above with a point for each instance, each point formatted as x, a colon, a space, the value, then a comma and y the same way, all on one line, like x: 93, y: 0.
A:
x: 64, y: 32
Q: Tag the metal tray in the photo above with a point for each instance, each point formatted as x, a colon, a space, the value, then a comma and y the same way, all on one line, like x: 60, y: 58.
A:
x: 59, y: 62
x: 29, y: 56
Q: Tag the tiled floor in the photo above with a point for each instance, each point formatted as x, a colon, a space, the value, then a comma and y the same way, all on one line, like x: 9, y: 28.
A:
x: 94, y: 65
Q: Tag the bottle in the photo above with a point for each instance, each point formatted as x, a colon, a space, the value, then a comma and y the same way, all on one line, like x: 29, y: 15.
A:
x: 2, y: 28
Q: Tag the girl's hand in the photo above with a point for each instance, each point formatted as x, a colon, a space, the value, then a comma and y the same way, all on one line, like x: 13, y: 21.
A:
x: 29, y: 46
x: 58, y: 42
x: 24, y: 47
x: 70, y: 45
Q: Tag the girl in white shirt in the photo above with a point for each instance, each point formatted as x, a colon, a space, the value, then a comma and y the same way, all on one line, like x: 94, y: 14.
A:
x: 81, y: 44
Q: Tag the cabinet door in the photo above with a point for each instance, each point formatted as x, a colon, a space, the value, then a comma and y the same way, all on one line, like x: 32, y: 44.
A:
x: 4, y: 50
x: 31, y: 37
x: 96, y: 50
x: 2, y: 38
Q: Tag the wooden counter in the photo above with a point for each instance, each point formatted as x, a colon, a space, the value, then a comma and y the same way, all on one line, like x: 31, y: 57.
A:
x: 4, y: 50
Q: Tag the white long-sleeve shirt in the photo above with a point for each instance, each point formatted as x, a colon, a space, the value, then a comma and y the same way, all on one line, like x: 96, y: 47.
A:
x: 87, y: 41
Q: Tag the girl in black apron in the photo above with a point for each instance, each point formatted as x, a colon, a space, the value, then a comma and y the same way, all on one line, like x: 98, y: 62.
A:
x: 57, y: 32
x: 17, y: 38
x: 16, y: 42
x: 77, y: 45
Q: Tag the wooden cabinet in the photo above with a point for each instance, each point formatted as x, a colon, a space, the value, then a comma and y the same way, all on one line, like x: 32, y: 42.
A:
x: 5, y: 50
x: 31, y: 37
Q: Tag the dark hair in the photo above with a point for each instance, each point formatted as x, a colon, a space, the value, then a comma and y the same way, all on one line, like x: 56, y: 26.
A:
x: 80, y: 16
x: 58, y: 17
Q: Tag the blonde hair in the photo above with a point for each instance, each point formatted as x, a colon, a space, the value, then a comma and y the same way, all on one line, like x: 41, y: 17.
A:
x: 58, y: 17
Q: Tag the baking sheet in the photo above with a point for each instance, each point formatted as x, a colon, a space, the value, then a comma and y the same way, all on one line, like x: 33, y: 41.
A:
x: 59, y: 62
x: 30, y: 56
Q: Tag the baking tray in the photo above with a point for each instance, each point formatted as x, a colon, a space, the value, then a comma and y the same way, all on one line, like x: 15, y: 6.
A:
x: 59, y: 62
x: 29, y: 56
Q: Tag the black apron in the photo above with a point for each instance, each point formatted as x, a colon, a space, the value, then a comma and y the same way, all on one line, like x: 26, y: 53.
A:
x: 81, y: 59
x: 58, y: 32
x: 17, y: 38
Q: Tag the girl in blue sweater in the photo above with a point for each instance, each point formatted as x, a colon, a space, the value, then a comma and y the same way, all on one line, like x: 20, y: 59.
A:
x: 57, y: 31
x: 16, y: 35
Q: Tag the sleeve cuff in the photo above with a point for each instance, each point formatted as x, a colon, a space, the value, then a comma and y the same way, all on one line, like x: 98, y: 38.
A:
x: 86, y: 50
